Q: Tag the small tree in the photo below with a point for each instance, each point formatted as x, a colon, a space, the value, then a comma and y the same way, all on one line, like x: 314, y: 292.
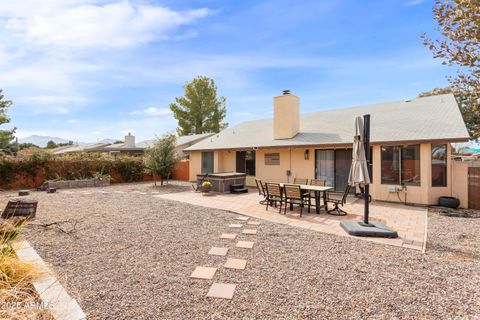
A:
x: 459, y: 45
x: 5, y: 135
x: 160, y: 160
x: 199, y: 110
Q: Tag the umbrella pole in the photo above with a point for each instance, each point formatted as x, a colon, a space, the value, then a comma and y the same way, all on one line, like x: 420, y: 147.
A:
x: 366, y: 143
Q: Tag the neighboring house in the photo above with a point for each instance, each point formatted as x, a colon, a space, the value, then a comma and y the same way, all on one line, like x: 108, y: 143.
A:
x: 129, y: 146
x: 183, y: 142
x: 78, y: 148
x: 411, y: 147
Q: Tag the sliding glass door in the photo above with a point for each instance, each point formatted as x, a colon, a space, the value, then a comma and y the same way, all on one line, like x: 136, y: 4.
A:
x: 325, y: 166
x: 333, y: 166
x: 343, y: 162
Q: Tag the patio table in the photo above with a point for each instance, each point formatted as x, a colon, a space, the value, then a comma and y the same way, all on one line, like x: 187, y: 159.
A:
x: 317, y: 190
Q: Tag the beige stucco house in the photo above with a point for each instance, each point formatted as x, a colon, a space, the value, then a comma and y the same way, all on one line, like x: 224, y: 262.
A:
x: 411, y: 147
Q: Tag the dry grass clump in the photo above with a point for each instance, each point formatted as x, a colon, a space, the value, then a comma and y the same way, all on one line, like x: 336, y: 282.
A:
x: 18, y: 298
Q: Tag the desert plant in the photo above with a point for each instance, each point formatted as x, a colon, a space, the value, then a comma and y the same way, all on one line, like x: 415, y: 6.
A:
x: 16, y: 277
x: 102, y: 176
x: 160, y: 160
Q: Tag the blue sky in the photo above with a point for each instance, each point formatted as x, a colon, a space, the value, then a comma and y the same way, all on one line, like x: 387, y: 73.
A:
x: 92, y: 69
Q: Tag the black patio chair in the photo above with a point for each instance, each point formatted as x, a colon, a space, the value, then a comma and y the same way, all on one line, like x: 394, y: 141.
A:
x: 274, y: 195
x: 336, y: 203
x: 294, y: 195
x: 300, y: 181
x: 317, y: 182
x: 261, y: 190
x: 196, y: 186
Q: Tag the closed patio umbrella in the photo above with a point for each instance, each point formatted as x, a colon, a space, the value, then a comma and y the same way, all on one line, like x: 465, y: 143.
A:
x: 359, y: 170
x: 359, y: 176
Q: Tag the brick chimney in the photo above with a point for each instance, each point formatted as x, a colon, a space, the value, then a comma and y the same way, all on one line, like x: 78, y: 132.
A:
x: 286, y: 115
x: 129, y: 141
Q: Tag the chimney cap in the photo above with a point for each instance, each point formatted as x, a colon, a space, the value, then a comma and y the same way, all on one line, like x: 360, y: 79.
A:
x: 285, y: 92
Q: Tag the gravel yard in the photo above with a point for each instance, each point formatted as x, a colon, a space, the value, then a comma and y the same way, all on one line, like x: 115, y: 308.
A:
x: 126, y: 254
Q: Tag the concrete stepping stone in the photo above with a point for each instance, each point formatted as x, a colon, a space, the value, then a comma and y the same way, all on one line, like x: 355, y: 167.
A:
x: 253, y: 223
x: 206, y: 273
x: 245, y: 244
x: 239, y: 264
x: 249, y: 231
x: 242, y: 218
x: 218, y: 251
x: 236, y: 225
x: 221, y: 290
x: 229, y: 236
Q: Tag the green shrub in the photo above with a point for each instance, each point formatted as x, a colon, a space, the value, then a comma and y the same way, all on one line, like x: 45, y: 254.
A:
x: 34, y: 156
x: 131, y: 169
x: 7, y: 169
x: 36, y: 162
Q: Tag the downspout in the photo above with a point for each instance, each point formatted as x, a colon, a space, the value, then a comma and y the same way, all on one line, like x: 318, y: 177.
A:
x: 290, y: 165
x: 450, y: 175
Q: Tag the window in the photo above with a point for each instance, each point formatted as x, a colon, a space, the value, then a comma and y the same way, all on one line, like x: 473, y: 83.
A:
x: 439, y: 165
x: 272, y: 159
x: 246, y: 162
x: 207, y: 162
x: 401, y: 165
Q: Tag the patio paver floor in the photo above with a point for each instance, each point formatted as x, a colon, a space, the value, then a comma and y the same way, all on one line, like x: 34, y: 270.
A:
x: 408, y: 221
x: 249, y: 231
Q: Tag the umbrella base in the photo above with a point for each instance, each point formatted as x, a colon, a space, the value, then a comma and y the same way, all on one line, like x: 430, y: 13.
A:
x: 373, y: 229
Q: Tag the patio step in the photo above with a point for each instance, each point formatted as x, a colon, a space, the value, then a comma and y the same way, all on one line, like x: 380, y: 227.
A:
x: 238, y: 188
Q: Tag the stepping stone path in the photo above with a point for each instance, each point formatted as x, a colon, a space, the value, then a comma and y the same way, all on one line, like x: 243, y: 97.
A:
x: 235, y: 264
x: 229, y: 236
x: 203, y: 273
x: 226, y: 290
x: 221, y: 290
x: 218, y: 251
x: 245, y: 244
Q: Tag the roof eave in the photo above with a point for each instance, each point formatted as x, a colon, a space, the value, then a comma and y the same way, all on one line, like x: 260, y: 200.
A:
x: 339, y: 144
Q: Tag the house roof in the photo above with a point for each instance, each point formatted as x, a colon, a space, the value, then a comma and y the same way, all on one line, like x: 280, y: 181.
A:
x: 181, y: 141
x: 78, y: 148
x: 433, y: 118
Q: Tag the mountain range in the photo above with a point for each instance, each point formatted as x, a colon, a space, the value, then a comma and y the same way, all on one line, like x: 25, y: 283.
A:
x: 42, y: 141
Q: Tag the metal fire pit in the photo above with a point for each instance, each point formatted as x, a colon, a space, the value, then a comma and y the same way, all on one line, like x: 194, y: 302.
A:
x: 20, y: 208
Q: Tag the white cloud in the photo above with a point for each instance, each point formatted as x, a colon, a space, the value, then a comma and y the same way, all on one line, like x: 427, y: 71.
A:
x: 92, y: 24
x: 152, y: 112
x: 413, y: 2
x: 56, y: 55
